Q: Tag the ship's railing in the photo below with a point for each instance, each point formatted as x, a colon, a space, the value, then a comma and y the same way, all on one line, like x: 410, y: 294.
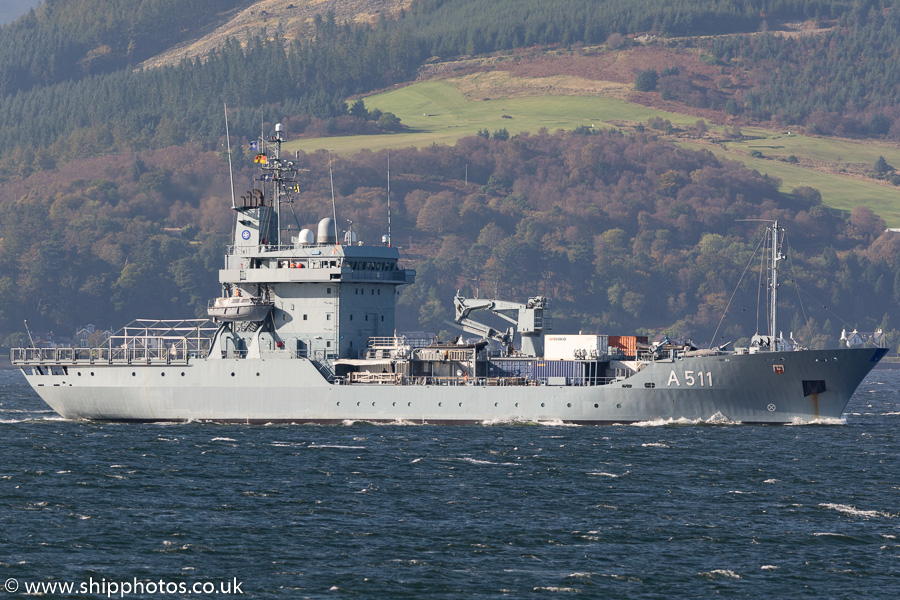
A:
x: 380, y: 342
x: 366, y: 378
x: 99, y: 356
x: 236, y: 250
x: 359, y: 274
x: 144, y: 341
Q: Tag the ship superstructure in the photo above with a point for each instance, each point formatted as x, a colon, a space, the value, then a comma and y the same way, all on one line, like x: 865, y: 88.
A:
x: 305, y: 331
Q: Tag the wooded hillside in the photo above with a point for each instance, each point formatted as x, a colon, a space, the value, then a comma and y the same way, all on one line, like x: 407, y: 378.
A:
x: 115, y: 190
x: 623, y: 233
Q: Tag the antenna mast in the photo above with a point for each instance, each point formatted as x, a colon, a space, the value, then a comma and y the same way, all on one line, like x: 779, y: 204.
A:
x: 230, y: 169
x: 333, y: 206
x: 773, y: 283
x: 278, y: 179
x: 389, y: 198
x: 33, y: 345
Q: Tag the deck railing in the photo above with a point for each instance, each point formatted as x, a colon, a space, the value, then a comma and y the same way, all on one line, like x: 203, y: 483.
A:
x: 144, y: 341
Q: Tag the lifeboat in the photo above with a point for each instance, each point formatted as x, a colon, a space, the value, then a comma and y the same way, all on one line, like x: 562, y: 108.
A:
x: 239, y: 308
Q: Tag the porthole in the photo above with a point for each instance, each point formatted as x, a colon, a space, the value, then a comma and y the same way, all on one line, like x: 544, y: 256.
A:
x: 358, y: 404
x: 373, y: 404
x: 517, y: 405
x: 393, y: 404
x: 79, y: 373
x: 618, y: 406
x: 440, y: 403
x: 133, y: 374
x: 650, y: 385
x: 232, y: 373
x: 338, y: 403
x: 496, y: 404
x: 92, y: 373
x: 569, y: 405
x: 460, y: 404
x: 596, y: 406
x: 542, y: 405
x: 182, y: 373
x: 409, y: 403
x: 163, y: 374
x: 257, y: 374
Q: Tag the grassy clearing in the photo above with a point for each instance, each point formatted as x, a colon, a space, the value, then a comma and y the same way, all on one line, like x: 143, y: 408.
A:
x: 438, y: 112
x: 842, y: 192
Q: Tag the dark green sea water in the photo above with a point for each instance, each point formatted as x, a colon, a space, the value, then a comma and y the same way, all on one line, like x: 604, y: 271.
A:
x: 500, y: 511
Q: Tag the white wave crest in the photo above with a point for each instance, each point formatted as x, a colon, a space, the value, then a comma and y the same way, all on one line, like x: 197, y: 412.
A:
x: 769, y: 568
x: 605, y: 474
x: 336, y: 446
x: 855, y: 512
x: 223, y: 439
x: 714, y: 419
x: 819, y: 421
x: 716, y: 573
x: 655, y: 445
x: 475, y: 461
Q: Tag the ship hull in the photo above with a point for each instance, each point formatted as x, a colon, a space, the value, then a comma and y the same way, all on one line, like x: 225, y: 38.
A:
x: 747, y: 388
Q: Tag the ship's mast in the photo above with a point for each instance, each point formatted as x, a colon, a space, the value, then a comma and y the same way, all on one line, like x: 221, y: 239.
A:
x: 773, y: 281
x: 276, y: 176
x: 282, y: 174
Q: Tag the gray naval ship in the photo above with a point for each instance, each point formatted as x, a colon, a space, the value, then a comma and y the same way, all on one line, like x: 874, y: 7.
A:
x: 304, y: 332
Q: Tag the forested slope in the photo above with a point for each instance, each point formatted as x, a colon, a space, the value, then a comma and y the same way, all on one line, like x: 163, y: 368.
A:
x: 115, y: 185
x: 65, y: 91
x: 623, y: 233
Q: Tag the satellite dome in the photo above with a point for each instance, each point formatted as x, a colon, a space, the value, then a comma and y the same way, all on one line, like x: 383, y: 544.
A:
x: 327, y: 231
x: 306, y: 237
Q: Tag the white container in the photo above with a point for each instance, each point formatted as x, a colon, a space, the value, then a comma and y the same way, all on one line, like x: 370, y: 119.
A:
x: 570, y: 347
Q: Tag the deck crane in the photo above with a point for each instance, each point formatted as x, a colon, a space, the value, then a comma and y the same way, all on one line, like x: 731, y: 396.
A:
x: 529, y: 324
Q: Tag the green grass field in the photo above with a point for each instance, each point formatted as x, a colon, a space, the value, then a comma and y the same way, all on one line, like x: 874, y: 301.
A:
x: 436, y: 112
x: 842, y: 192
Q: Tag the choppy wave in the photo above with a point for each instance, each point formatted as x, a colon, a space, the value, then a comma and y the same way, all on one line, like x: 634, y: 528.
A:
x: 715, y: 419
x: 798, y: 421
x: 464, y: 511
x: 720, y: 574
x: 856, y: 512
x: 605, y: 474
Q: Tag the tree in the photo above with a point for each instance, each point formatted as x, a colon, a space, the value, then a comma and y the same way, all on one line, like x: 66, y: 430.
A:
x: 646, y: 80
x: 389, y: 121
x: 358, y: 109
x: 882, y: 168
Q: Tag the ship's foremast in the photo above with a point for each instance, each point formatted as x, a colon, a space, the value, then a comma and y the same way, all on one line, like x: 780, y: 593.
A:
x: 280, y: 173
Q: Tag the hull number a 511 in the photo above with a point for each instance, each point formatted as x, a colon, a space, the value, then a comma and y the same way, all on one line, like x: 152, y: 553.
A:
x: 691, y: 379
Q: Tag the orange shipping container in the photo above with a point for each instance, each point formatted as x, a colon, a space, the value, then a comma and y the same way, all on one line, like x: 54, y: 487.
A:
x: 627, y: 343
